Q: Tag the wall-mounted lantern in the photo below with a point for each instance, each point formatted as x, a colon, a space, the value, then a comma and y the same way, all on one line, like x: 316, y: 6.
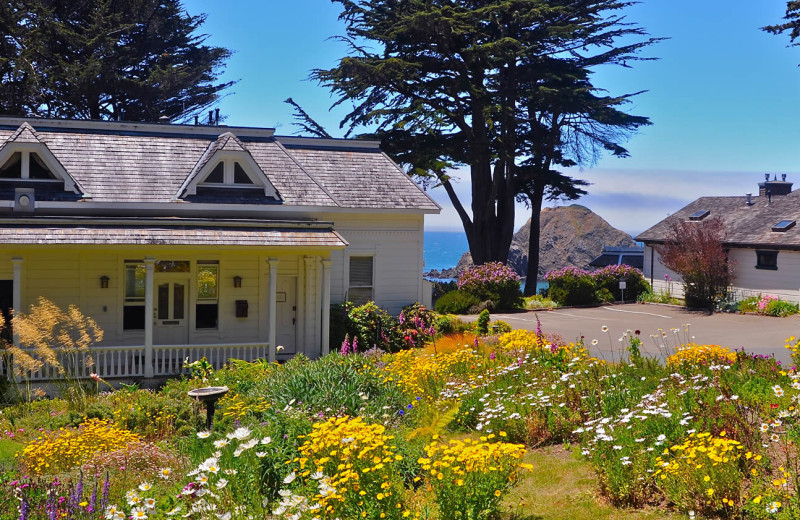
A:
x: 237, y: 281
x: 104, y: 282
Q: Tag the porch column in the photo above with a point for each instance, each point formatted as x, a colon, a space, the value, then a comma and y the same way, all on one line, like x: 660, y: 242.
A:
x: 149, y: 264
x: 272, y: 310
x: 308, y: 324
x: 326, y: 305
x: 16, y: 304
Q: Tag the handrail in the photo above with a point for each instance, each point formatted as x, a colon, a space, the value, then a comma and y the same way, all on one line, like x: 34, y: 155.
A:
x: 121, y: 361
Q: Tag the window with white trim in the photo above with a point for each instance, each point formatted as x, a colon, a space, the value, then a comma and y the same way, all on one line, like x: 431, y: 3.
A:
x: 207, y: 307
x: 361, y: 286
x: 25, y: 165
x: 228, y: 172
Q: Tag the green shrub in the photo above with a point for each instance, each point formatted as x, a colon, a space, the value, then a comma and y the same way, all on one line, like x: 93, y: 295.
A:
x: 333, y: 385
x: 603, y: 295
x: 610, y: 276
x: 572, y: 286
x: 658, y: 297
x: 492, y: 281
x: 539, y: 301
x: 482, y: 326
x: 499, y: 327
x: 450, y: 323
x: 456, y: 302
x: 780, y: 308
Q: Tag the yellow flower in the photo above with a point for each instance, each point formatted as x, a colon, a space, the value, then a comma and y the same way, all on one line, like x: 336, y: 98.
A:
x: 497, y: 493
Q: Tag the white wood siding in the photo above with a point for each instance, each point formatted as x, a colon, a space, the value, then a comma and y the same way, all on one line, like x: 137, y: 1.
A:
x: 661, y: 278
x: 783, y: 282
x: 396, y: 242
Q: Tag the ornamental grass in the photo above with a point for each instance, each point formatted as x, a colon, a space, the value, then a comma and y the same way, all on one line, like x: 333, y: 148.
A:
x: 68, y: 448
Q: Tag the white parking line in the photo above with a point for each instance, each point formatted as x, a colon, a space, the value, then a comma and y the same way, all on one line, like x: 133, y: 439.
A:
x: 637, y: 312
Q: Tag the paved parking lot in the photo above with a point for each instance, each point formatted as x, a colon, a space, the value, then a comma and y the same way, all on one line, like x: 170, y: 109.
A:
x: 756, y: 334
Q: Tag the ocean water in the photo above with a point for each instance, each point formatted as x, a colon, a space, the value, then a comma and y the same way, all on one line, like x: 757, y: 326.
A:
x: 443, y: 249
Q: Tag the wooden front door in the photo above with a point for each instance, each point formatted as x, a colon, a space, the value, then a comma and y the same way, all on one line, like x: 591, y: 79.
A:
x: 171, y: 309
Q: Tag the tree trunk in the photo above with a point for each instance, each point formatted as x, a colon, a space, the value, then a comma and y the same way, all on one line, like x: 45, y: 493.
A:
x: 492, y: 227
x: 536, y: 197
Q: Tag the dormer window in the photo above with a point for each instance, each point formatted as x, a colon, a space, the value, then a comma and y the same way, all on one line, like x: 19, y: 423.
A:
x: 228, y: 172
x: 25, y: 165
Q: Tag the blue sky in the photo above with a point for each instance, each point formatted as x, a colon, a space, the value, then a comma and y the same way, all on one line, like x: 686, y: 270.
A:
x: 724, y: 97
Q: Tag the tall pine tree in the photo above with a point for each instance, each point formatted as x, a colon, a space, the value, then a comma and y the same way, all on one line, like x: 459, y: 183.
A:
x: 473, y: 83
x: 135, y: 60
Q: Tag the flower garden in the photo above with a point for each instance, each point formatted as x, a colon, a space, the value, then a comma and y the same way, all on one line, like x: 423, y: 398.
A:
x: 446, y: 427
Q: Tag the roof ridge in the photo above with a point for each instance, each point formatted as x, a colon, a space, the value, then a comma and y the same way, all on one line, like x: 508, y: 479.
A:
x: 23, y: 128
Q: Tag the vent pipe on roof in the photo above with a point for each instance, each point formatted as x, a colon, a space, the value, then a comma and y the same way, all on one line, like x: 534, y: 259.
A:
x: 211, y: 123
x: 783, y: 177
x: 766, y: 176
x: 217, y: 116
x: 749, y: 198
x: 196, y: 119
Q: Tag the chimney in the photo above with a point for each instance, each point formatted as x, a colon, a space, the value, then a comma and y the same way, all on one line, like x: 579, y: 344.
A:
x: 217, y: 116
x: 211, y: 123
x: 774, y: 186
x: 749, y: 199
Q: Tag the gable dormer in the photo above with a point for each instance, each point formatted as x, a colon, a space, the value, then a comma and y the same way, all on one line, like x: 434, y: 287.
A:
x: 227, y: 166
x: 25, y: 158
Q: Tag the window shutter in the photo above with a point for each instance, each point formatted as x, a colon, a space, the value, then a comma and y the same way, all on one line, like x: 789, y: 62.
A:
x: 361, y: 271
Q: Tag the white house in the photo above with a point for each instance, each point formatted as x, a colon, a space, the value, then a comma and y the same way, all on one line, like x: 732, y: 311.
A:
x: 762, y: 240
x: 198, y: 240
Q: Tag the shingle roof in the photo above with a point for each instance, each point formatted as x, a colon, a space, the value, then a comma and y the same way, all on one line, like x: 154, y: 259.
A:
x: 119, y: 162
x: 745, y: 225
x: 178, y: 232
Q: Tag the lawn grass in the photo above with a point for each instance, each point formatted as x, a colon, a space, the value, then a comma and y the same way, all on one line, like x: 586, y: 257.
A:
x: 7, y: 450
x: 562, y: 486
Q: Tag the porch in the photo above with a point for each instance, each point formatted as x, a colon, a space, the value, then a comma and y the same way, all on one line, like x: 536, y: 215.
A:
x: 129, y: 362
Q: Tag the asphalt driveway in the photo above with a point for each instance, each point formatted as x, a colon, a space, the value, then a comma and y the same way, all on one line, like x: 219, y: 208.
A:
x: 757, y: 334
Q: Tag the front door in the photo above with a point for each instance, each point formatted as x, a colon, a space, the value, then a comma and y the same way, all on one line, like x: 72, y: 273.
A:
x: 171, y: 325
x: 6, y: 302
x: 286, y: 313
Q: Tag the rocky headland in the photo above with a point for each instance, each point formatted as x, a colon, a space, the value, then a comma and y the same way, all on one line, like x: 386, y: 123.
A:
x: 570, y: 236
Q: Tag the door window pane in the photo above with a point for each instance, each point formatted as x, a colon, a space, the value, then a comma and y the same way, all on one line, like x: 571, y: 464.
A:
x: 177, y: 301
x: 163, y: 301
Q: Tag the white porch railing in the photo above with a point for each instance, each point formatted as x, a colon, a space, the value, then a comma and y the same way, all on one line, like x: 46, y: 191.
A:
x: 118, y: 362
